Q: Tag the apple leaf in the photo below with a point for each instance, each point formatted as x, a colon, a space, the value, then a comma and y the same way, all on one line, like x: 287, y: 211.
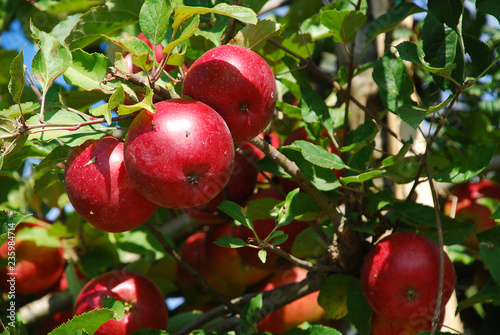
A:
x: 262, y: 255
x: 87, y: 70
x: 489, y: 7
x: 287, y: 212
x: 489, y: 293
x: 11, y: 144
x: 489, y: 249
x: 51, y: 60
x: 69, y: 137
x: 320, y: 330
x: 142, y: 54
x: 57, y: 155
x: 251, y: 315
x: 309, y: 244
x: 448, y: 12
x: 362, y: 177
x: 88, y: 322
x: 254, y: 36
x: 467, y: 165
x: 343, y: 24
x: 40, y: 236
x: 230, y: 242
x: 154, y: 18
x: 115, y: 305
x: 277, y: 237
x: 333, y: 295
x: 358, y: 308
x: 178, y: 321
x: 411, y: 52
x: 187, y: 32
x: 17, y: 77
x: 236, y: 212
x: 318, y: 155
x: 8, y: 222
x: 146, y: 103
x: 259, y: 209
x: 82, y: 30
x: 391, y: 19
x: 243, y: 14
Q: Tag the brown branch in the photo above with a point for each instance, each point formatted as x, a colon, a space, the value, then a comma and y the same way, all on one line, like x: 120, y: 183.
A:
x: 160, y: 92
x: 437, y: 311
x: 272, y: 300
x: 205, y: 285
x: 47, y: 305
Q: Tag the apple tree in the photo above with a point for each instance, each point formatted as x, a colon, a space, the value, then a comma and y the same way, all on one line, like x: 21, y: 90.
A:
x: 251, y: 166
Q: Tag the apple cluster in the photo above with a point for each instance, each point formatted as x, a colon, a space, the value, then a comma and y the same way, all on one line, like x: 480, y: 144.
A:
x: 183, y: 155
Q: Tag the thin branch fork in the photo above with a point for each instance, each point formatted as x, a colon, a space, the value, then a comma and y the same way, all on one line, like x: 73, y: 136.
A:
x: 160, y: 92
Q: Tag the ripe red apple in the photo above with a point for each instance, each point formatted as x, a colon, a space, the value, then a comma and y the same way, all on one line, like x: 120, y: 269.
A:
x: 468, y: 209
x: 240, y: 186
x: 227, y: 261
x: 144, y: 303
x: 400, y: 277
x: 194, y: 252
x: 181, y: 156
x: 293, y: 314
x: 238, y: 84
x: 384, y: 326
x: 37, y: 268
x: 100, y: 190
x: 263, y: 227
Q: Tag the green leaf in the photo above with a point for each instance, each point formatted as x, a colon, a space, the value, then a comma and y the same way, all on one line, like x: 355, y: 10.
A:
x: 187, y: 32
x: 57, y: 155
x: 362, y: 177
x: 343, y: 24
x: 319, y: 330
x: 447, y: 12
x: 142, y: 54
x: 277, y: 237
x: 178, y: 321
x: 87, y: 70
x: 394, y: 85
x: 489, y: 7
x: 333, y: 295
x: 359, y: 310
x: 74, y: 283
x: 17, y: 77
x: 411, y: 52
x: 154, y: 18
x: 259, y: 209
x: 262, y: 255
x: 102, y: 20
x: 40, y: 236
x: 318, y: 155
x: 146, y: 103
x: 51, y: 60
x: 391, y: 160
x: 88, y: 322
x: 287, y: 212
x: 489, y: 249
x: 250, y: 315
x: 236, y: 212
x: 489, y: 293
x: 480, y: 54
x: 230, y: 242
x: 8, y: 222
x: 69, y: 137
x: 114, y: 305
x: 309, y: 244
x: 467, y: 165
x: 254, y: 36
x: 242, y: 14
x: 391, y: 19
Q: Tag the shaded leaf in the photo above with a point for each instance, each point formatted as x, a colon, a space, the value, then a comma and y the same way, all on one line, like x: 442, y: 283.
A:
x: 343, y: 24
x: 230, y: 242
x: 447, y: 12
x: 17, y: 77
x: 87, y: 70
x: 254, y: 36
x: 318, y: 155
x: 251, y: 315
x: 236, y: 212
x: 333, y: 295
x: 88, y: 322
x: 8, y: 222
x: 489, y: 249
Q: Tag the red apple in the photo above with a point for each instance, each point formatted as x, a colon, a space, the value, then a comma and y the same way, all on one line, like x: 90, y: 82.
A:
x: 194, y: 252
x: 293, y: 314
x: 181, y: 156
x: 238, y: 84
x: 384, y: 326
x: 400, y: 277
x: 36, y: 269
x: 263, y: 227
x: 144, y: 303
x: 228, y: 262
x: 100, y: 190
x: 240, y: 186
x: 468, y: 209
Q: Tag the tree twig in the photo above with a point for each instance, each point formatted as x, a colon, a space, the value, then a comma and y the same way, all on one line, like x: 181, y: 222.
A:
x: 206, y: 286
